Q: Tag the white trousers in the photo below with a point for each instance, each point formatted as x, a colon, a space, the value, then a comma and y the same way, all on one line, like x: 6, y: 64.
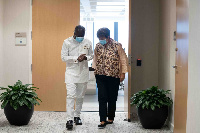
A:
x: 75, y: 95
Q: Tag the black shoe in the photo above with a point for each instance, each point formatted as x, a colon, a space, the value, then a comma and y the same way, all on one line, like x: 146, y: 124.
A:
x: 77, y: 121
x: 69, y: 124
x: 108, y: 122
x: 101, y: 126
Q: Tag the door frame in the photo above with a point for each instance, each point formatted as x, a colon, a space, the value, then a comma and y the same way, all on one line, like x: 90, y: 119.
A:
x: 128, y: 75
x: 181, y: 74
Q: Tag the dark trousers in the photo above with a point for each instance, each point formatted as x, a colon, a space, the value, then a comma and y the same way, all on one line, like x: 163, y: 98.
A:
x: 107, y: 96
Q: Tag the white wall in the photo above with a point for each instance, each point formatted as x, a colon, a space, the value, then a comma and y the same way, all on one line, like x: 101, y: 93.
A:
x: 1, y: 42
x: 16, y: 58
x: 144, y: 41
x: 166, y: 55
x: 193, y: 105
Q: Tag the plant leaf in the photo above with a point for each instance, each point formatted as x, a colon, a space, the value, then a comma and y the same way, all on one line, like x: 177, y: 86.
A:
x: 14, y: 97
x: 152, y: 107
x: 19, y: 95
x: 4, y: 104
x: 151, y: 97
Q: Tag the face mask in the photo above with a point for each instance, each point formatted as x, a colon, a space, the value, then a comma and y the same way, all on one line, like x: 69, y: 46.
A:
x: 79, y: 39
x: 103, y: 42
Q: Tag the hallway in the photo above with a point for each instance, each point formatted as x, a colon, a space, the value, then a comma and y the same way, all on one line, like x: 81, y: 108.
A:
x: 156, y: 37
x: 54, y: 122
x: 90, y: 102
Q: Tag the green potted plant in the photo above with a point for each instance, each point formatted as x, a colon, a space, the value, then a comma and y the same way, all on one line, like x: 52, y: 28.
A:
x: 18, y: 103
x: 152, y: 105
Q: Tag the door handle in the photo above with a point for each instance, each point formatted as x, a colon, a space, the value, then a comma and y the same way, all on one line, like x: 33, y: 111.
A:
x: 175, y: 66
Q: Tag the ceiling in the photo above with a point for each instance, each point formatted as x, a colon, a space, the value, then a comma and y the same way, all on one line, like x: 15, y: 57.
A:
x: 94, y: 10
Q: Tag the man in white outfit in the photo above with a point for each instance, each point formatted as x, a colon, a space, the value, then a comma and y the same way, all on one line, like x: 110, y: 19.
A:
x: 76, y: 52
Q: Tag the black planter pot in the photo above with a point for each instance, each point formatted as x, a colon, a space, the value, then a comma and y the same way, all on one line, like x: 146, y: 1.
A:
x: 153, y: 119
x: 18, y: 117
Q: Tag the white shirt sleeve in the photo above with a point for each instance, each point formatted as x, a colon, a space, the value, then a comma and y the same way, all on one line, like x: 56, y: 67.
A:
x: 90, y: 53
x: 65, y: 54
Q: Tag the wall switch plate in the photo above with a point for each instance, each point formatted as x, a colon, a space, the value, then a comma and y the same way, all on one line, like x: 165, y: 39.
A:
x: 20, y: 39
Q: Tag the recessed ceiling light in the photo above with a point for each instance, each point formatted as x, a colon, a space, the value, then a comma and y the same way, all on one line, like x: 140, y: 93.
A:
x: 106, y: 14
x: 110, y: 8
x: 110, y: 3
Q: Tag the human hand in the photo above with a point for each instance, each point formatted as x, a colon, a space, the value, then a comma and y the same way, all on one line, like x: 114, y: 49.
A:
x: 82, y: 57
x: 122, y: 77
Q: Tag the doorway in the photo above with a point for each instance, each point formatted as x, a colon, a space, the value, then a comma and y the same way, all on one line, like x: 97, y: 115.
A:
x: 112, y: 14
x: 44, y: 73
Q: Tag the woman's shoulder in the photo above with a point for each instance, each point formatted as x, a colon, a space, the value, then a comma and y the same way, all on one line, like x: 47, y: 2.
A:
x: 115, y: 42
x: 98, y: 45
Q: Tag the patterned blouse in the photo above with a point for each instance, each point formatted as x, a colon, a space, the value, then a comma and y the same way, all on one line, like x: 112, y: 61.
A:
x: 110, y: 59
